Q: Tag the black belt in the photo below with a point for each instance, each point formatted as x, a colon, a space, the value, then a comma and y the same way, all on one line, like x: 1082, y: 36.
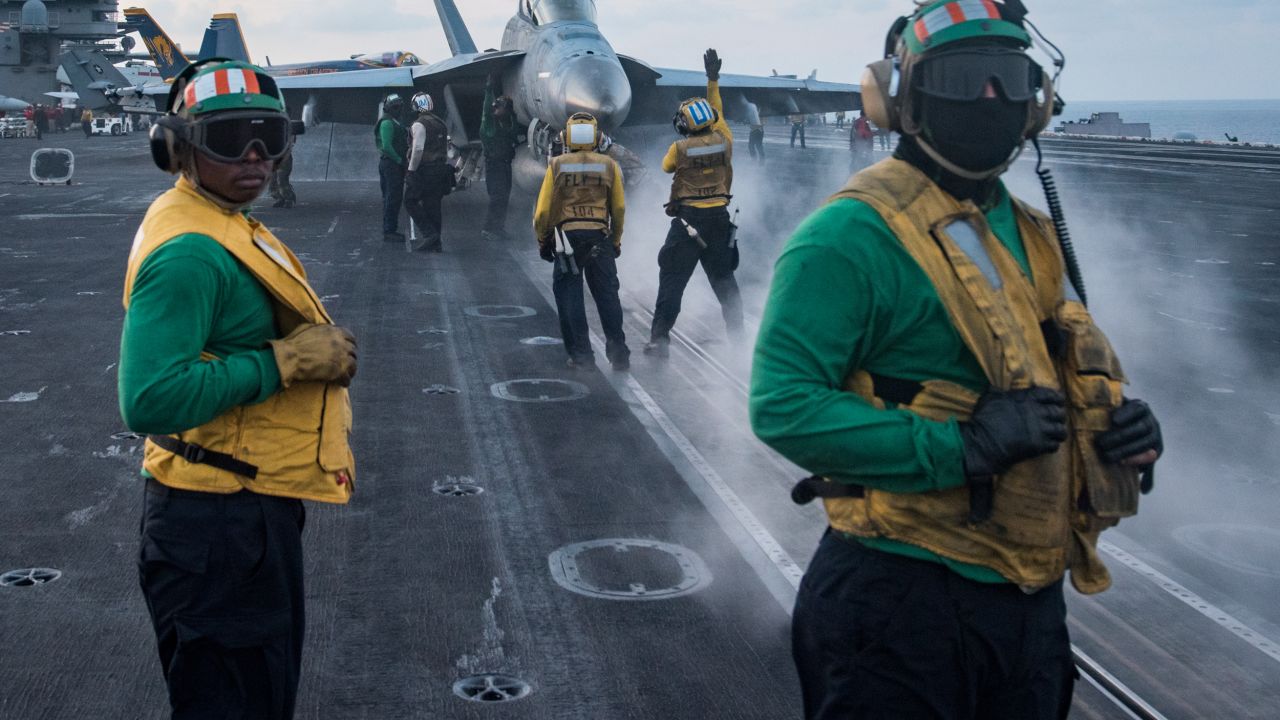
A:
x: 193, y: 453
x: 819, y: 487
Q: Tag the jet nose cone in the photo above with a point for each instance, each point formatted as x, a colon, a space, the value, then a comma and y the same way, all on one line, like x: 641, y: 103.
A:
x: 596, y: 84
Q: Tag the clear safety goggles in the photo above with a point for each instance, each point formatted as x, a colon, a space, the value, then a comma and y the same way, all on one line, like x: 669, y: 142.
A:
x: 963, y: 75
x: 228, y: 138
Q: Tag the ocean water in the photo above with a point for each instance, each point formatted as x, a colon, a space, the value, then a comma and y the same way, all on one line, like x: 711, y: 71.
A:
x: 1252, y: 121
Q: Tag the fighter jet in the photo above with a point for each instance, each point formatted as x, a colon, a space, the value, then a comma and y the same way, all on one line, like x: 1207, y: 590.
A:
x: 135, y: 74
x: 553, y: 61
x: 100, y: 87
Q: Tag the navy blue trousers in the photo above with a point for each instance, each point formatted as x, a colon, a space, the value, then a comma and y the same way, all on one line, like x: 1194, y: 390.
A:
x: 222, y: 578
x: 880, y: 636
x: 593, y: 253
x: 680, y: 256
x: 391, y: 180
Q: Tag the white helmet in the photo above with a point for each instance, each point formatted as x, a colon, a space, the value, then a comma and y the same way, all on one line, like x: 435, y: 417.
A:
x: 422, y: 103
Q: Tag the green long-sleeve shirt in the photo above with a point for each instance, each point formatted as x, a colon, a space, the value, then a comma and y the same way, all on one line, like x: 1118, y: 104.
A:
x: 845, y: 296
x: 392, y: 140
x: 499, y: 138
x: 191, y: 296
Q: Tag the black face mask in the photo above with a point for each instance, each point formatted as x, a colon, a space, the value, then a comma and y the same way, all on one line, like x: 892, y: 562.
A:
x: 977, y: 135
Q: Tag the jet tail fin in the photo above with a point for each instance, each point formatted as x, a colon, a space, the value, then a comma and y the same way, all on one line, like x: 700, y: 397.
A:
x: 455, y: 30
x: 225, y: 39
x: 164, y: 51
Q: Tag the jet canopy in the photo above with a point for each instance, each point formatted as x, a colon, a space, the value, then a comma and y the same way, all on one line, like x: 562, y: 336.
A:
x: 388, y: 59
x: 549, y: 11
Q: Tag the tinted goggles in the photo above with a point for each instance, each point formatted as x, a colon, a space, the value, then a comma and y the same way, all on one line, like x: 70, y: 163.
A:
x: 228, y: 138
x: 963, y: 74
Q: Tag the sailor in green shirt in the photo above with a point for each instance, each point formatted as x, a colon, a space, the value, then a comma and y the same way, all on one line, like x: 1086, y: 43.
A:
x: 500, y: 135
x: 392, y: 139
x: 905, y: 357
x: 893, y: 324
x: 231, y: 366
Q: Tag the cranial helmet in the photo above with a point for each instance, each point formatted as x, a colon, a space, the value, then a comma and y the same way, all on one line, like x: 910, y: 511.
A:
x: 422, y: 102
x: 581, y: 132
x: 694, y: 115
x: 392, y: 104
x: 949, y: 50
x: 221, y: 107
x: 220, y: 86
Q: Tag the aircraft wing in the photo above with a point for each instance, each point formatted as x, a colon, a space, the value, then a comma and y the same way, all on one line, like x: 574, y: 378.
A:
x: 466, y: 67
x: 345, y: 97
x: 355, y: 96
x: 657, y: 91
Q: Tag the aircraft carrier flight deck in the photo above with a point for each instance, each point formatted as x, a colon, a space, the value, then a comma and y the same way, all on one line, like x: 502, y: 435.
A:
x: 600, y: 545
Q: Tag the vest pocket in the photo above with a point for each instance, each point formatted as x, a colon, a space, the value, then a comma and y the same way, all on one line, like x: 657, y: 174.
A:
x: 335, y: 428
x: 1094, y: 384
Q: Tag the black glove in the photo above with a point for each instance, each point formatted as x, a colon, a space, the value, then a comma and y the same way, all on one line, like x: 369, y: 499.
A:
x: 1134, y: 430
x: 711, y: 61
x: 617, y: 251
x: 547, y: 251
x: 1009, y: 427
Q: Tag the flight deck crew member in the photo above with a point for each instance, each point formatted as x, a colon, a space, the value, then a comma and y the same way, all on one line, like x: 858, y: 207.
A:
x: 578, y: 222
x: 797, y: 128
x: 924, y: 352
x: 701, y: 231
x: 499, y: 136
x: 41, y: 119
x: 392, y: 139
x: 430, y: 176
x: 861, y: 141
x: 755, y: 138
x: 86, y: 121
x: 233, y: 367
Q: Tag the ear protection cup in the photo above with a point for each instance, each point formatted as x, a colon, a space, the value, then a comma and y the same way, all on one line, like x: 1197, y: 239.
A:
x: 168, y: 134
x: 880, y: 106
x: 166, y: 143
x: 883, y: 81
x: 1040, y: 114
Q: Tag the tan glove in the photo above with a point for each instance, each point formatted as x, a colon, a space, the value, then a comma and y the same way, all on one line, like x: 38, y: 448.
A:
x: 316, y: 353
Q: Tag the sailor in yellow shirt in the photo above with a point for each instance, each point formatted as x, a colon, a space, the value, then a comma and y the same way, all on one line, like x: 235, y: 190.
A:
x: 701, y: 231
x: 578, y: 223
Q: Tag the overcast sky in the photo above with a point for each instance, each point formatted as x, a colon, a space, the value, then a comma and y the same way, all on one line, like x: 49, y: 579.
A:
x: 1116, y: 49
